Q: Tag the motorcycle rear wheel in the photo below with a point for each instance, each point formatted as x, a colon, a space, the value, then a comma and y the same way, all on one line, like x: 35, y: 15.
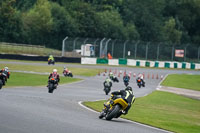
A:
x: 113, y: 113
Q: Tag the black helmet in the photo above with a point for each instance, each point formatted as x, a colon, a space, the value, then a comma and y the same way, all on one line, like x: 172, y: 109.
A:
x: 128, y: 88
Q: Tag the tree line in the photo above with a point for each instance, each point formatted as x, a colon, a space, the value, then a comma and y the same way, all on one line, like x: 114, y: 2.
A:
x: 49, y: 21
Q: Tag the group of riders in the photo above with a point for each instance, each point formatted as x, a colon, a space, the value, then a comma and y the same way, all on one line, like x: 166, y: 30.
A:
x: 126, y: 95
x: 126, y: 79
x: 111, y: 107
x: 4, y: 76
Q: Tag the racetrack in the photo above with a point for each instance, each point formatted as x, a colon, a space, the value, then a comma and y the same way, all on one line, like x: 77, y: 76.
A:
x: 34, y: 110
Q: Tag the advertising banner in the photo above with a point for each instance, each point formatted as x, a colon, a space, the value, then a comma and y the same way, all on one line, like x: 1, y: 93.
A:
x: 179, y: 53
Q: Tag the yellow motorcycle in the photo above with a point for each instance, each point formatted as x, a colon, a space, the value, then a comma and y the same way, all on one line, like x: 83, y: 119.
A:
x: 113, y: 108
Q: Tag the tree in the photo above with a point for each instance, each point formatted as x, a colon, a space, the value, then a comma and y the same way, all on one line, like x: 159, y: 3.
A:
x: 63, y: 25
x: 171, y: 34
x: 110, y: 25
x: 147, y: 17
x: 24, y: 5
x: 10, y: 24
x: 38, y: 22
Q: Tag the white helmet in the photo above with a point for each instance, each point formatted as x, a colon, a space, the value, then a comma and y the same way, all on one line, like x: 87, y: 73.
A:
x: 6, y: 68
x: 54, y: 70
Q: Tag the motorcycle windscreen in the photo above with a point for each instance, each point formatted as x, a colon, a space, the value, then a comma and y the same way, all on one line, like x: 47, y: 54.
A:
x: 121, y: 101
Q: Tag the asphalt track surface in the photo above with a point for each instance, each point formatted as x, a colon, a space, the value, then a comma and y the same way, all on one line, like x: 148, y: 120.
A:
x: 34, y: 110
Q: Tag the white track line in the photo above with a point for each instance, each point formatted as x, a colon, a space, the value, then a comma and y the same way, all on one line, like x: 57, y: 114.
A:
x: 80, y: 103
x: 159, y: 86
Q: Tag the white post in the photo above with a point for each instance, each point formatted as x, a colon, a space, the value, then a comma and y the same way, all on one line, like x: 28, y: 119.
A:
x: 63, y: 46
x: 85, y: 41
x: 125, y: 48
x: 106, y: 47
x: 95, y: 46
x: 100, y: 50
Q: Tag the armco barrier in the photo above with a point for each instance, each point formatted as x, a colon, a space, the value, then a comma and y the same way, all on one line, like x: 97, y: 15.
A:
x: 197, y: 66
x: 192, y: 66
x: 102, y: 61
x: 123, y: 61
x: 143, y: 63
x: 131, y: 62
x: 183, y: 65
x: 156, y: 64
x: 187, y: 65
x: 161, y: 64
x: 152, y: 63
x: 137, y: 63
x: 147, y: 64
x: 86, y: 60
x: 39, y: 58
x: 113, y: 62
x: 175, y: 65
x: 167, y: 65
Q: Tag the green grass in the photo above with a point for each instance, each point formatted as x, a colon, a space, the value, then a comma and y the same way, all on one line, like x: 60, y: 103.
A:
x: 25, y: 79
x: 183, y: 81
x: 163, y: 110
x: 11, y: 48
x: 48, y: 68
x: 27, y: 61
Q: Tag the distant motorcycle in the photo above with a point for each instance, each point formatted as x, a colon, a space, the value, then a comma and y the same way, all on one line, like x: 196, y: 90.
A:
x: 126, y: 80
x: 140, y: 83
x: 52, y: 85
x: 107, y: 87
x: 67, y: 73
x: 126, y: 83
x: 113, y: 108
x: 3, y: 78
x: 50, y: 61
x: 114, y: 79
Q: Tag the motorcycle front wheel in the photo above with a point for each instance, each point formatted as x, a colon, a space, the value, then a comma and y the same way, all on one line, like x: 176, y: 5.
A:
x: 113, y: 112
x: 51, y: 88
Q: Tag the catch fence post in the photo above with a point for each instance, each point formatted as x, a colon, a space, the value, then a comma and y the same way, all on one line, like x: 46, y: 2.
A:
x: 100, y: 49
x: 125, y: 48
x: 63, y: 45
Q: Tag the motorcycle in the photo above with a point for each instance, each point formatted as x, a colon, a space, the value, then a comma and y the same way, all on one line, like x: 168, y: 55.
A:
x: 67, y: 74
x: 114, y: 79
x: 126, y: 83
x: 140, y: 83
x: 3, y: 77
x: 50, y: 61
x: 113, y: 108
x: 107, y: 87
x: 126, y: 80
x: 52, y: 85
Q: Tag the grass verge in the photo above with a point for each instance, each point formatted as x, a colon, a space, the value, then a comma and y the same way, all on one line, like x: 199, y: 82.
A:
x: 163, y: 110
x: 11, y: 48
x: 183, y: 81
x: 48, y: 68
x: 25, y: 79
x: 27, y: 61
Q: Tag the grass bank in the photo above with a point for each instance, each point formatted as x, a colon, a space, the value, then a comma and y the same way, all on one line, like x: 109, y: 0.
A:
x: 183, y: 81
x: 12, y: 48
x: 48, y: 68
x: 25, y: 79
x: 163, y: 110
